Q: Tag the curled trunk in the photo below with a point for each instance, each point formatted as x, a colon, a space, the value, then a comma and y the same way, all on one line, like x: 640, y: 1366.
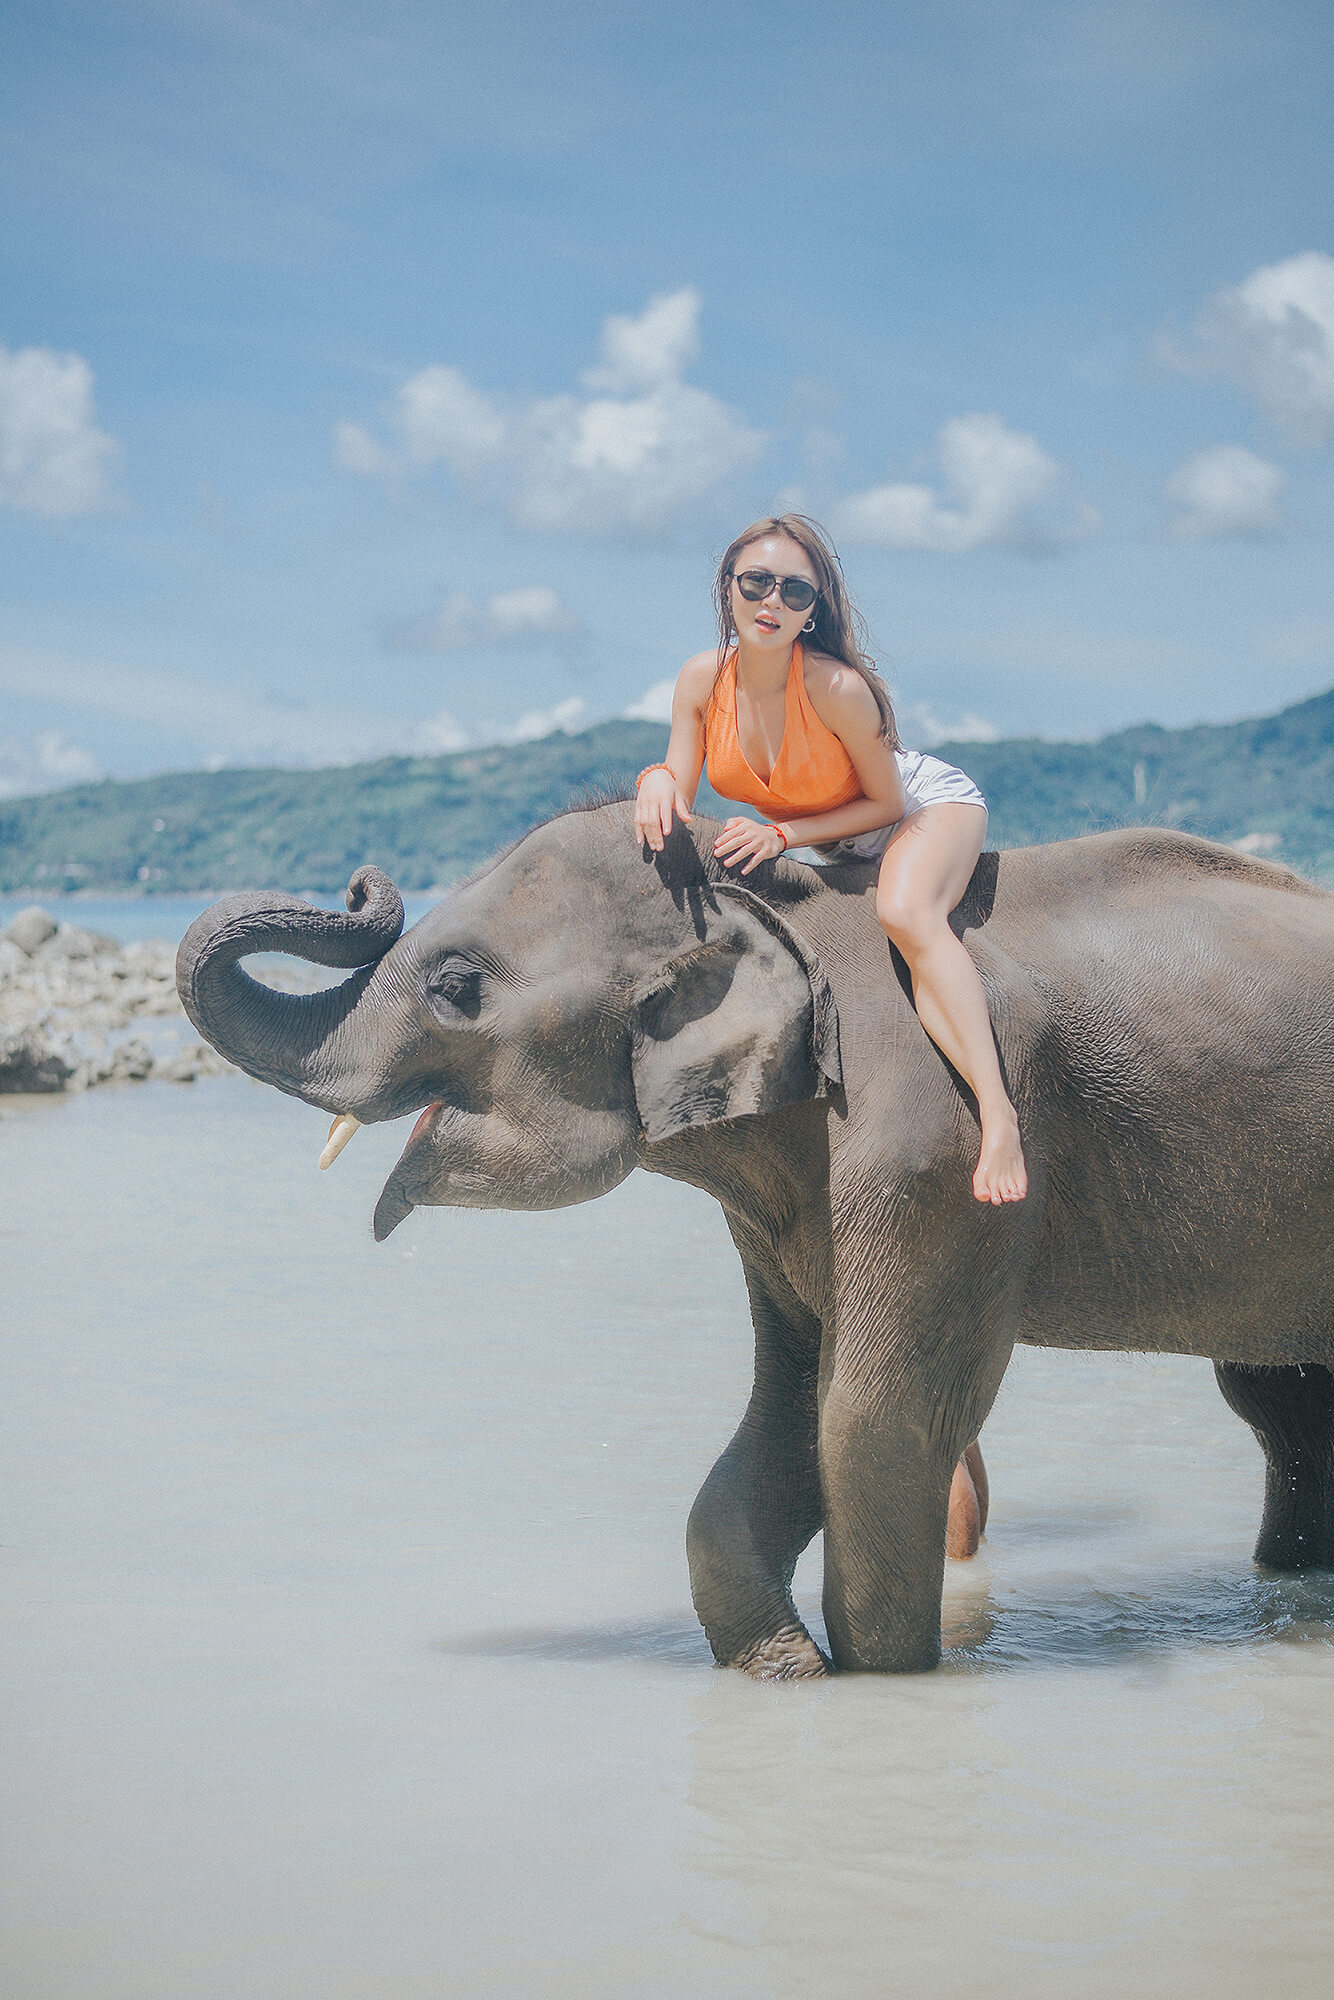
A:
x: 301, y: 1043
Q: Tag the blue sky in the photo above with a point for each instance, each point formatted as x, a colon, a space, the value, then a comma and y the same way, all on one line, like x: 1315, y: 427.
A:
x: 387, y: 377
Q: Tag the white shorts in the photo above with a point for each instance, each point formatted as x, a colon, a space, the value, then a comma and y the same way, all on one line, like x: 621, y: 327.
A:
x: 927, y: 781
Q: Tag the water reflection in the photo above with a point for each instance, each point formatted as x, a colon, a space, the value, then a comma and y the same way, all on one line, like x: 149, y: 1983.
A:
x: 1082, y: 1626
x: 1087, y: 1625
x: 1031, y: 1526
x: 677, y: 1641
x: 1007, y: 1834
x: 1096, y: 1629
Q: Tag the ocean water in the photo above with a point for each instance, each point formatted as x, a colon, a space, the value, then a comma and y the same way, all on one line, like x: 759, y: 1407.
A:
x: 347, y: 1648
x: 130, y: 919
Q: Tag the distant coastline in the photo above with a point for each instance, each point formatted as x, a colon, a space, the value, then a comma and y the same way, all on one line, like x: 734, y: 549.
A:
x: 1266, y: 786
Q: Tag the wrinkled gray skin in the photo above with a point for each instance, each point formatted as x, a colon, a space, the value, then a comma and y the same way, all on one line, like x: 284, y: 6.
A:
x: 1165, y: 1012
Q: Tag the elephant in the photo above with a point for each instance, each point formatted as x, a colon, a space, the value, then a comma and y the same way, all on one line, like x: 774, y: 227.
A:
x: 1164, y: 1010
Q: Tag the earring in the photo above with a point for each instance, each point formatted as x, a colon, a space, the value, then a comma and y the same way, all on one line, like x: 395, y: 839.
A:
x: 809, y: 626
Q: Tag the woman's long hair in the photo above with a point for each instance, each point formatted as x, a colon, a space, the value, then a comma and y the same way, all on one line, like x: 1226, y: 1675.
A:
x: 839, y: 629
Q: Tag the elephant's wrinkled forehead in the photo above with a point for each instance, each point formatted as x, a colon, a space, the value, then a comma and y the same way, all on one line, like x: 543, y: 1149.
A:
x: 540, y: 901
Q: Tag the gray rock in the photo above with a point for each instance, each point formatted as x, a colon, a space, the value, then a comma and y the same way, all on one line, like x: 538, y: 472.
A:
x: 132, y: 1061
x: 30, y: 928
x: 196, y: 1059
x: 29, y: 1064
x: 129, y: 1062
x: 68, y: 995
x: 180, y: 1068
x: 69, y: 942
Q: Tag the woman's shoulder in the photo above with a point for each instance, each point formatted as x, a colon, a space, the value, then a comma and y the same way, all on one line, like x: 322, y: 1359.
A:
x: 698, y: 675
x: 833, y: 684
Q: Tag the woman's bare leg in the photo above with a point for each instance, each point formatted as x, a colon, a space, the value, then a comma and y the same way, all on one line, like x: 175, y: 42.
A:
x: 926, y: 868
x: 977, y: 1472
x: 963, y: 1529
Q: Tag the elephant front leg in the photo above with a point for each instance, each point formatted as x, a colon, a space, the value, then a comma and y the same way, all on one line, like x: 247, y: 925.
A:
x: 760, y: 1505
x: 1291, y: 1411
x: 887, y: 1484
x: 901, y: 1403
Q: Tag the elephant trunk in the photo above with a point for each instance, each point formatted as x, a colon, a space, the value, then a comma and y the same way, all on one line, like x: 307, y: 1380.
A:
x: 302, y: 1043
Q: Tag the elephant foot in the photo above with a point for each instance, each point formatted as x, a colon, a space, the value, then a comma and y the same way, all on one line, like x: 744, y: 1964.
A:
x: 967, y: 1518
x: 788, y: 1656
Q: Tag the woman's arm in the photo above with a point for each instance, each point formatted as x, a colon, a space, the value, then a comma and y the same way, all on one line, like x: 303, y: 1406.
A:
x: 846, y: 706
x: 673, y: 789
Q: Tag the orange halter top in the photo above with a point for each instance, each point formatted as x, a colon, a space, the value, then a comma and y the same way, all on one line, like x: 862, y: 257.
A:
x: 812, y: 772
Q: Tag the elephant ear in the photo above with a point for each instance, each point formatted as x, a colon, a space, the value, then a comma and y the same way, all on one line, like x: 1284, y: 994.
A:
x: 741, y: 1024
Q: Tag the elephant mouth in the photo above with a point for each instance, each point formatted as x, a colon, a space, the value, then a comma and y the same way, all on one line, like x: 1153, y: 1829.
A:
x: 400, y: 1193
x: 458, y: 1156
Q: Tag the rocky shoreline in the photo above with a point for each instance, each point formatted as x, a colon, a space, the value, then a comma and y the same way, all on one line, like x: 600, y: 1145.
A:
x: 78, y: 1009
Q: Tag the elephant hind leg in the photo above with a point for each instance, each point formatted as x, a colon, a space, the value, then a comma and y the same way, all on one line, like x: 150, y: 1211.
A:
x: 1291, y: 1411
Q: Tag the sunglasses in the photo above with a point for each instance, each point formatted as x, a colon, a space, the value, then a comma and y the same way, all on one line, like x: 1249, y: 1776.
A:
x: 797, y: 592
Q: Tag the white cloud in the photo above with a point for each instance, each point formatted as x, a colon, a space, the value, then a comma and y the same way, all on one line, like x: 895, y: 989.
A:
x: 532, y: 610
x: 440, y: 416
x: 566, y: 716
x: 1225, y: 491
x: 229, y: 725
x: 654, y: 705
x: 994, y: 479
x: 53, y: 458
x: 533, y: 607
x: 655, y: 348
x: 922, y: 724
x: 355, y: 450
x: 46, y: 764
x: 436, y: 736
x: 212, y: 727
x: 1273, y: 337
x: 626, y: 458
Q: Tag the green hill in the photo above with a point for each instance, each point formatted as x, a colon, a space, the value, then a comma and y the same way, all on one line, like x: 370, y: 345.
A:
x: 1269, y: 783
x: 427, y: 820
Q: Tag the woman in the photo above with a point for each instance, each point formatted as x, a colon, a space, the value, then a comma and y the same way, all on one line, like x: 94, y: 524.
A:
x: 792, y: 719
x: 806, y: 733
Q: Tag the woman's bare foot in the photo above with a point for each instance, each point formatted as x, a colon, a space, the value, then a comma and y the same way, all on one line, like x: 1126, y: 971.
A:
x: 1001, y: 1174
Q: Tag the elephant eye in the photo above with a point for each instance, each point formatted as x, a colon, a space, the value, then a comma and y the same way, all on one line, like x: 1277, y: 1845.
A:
x: 457, y: 986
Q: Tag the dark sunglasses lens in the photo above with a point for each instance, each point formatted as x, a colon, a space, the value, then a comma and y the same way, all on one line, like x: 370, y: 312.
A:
x: 755, y: 584
x: 797, y: 594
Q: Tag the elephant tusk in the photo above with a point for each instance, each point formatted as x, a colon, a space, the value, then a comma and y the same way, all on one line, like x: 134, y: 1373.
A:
x: 340, y: 1132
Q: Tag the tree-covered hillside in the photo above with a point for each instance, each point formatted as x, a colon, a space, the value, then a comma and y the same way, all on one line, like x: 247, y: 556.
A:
x: 425, y: 820
x: 1267, y: 783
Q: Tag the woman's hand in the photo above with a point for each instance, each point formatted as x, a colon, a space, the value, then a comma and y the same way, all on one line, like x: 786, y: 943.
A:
x: 656, y: 800
x: 746, y: 840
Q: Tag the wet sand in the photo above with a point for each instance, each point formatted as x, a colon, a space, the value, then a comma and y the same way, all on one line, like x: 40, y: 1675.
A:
x: 347, y: 1646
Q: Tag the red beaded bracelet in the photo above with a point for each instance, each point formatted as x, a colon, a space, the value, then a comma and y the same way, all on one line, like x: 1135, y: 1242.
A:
x: 782, y: 832
x: 653, y: 767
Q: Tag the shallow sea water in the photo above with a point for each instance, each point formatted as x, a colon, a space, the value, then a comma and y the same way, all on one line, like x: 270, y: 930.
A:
x: 348, y: 1655
x: 130, y: 919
